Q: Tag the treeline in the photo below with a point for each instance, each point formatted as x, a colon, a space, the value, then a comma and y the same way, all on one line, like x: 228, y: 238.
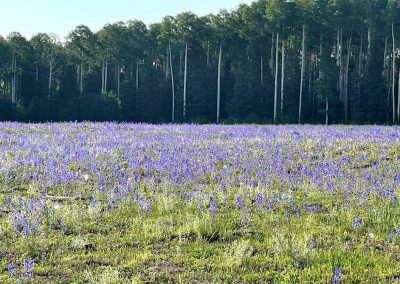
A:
x: 275, y: 61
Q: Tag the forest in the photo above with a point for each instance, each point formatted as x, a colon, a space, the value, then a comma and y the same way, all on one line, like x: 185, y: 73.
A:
x: 274, y: 61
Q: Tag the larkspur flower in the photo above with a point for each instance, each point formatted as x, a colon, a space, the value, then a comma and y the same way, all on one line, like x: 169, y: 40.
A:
x: 239, y: 202
x: 297, y: 211
x: 213, y: 207
x: 337, y: 276
x: 259, y: 199
x: 12, y: 269
x: 149, y: 207
x: 357, y: 222
x: 28, y: 266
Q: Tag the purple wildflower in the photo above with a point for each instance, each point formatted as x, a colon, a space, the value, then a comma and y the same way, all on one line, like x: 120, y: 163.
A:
x: 239, y: 202
x: 12, y: 270
x: 28, y: 267
x: 259, y: 199
x: 297, y: 211
x: 313, y: 209
x: 337, y: 276
x: 312, y: 244
x: 213, y: 207
x: 357, y: 223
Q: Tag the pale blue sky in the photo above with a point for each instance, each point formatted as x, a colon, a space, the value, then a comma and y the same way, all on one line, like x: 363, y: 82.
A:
x: 61, y: 16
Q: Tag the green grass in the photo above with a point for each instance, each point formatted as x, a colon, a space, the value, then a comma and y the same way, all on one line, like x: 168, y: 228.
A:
x: 177, y: 244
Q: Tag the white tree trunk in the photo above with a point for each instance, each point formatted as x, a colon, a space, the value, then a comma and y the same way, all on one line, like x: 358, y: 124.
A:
x: 167, y: 68
x: 341, y: 67
x: 208, y: 53
x: 118, y: 79
x: 271, y: 62
x: 326, y: 110
x: 276, y: 77
x: 360, y: 75
x: 398, y: 99
x: 137, y: 77
x: 14, y: 79
x: 51, y: 65
x: 50, y: 77
x: 261, y: 67
x: 102, y: 76
x: 36, y: 72
x: 81, y: 79
x: 303, y: 51
x: 219, y: 82
x: 185, y: 82
x: 393, y: 75
x: 338, y: 47
x: 360, y: 58
x: 385, y: 55
x: 283, y: 74
x: 106, y: 75
x: 180, y: 64
x: 172, y: 85
x: 346, y: 81
x: 369, y: 41
x: 131, y: 72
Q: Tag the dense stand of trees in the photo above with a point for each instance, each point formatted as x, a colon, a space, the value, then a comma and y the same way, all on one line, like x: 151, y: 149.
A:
x: 275, y: 61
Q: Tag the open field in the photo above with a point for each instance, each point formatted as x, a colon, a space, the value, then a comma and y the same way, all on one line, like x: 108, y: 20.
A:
x: 123, y: 203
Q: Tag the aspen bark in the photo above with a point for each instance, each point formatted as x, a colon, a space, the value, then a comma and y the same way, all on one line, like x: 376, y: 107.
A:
x: 369, y: 41
x: 172, y: 85
x: 208, y: 53
x: 303, y: 51
x: 81, y: 79
x: 118, y: 79
x: 219, y: 83
x: 261, y: 67
x: 185, y: 82
x: 106, y: 76
x: 50, y: 78
x: 14, y: 78
x: 398, y: 99
x: 283, y: 74
x: 360, y: 57
x: 276, y: 77
x: 393, y: 74
x: 326, y: 110
x: 167, y: 69
x: 180, y: 64
x: 137, y: 77
x: 36, y: 72
x: 102, y: 76
x: 385, y: 55
x: 346, y: 81
x: 131, y: 73
x: 271, y: 62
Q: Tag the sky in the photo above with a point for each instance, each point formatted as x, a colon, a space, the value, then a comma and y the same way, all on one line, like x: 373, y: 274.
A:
x: 30, y: 17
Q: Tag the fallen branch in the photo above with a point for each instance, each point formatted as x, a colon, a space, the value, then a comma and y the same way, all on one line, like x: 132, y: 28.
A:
x: 64, y: 198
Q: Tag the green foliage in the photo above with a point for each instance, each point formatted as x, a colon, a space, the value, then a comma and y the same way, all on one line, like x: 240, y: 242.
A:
x: 132, y: 61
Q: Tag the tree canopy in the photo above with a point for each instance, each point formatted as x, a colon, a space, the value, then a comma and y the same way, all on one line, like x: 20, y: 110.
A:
x: 342, y: 57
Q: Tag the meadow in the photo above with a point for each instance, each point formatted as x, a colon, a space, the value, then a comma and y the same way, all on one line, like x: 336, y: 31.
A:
x: 137, y: 203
